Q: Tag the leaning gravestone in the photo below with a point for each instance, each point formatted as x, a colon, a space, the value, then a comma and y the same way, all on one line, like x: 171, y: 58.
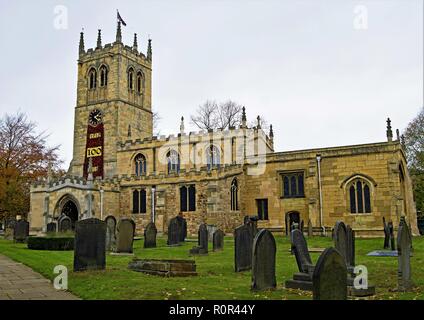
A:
x: 303, y: 279
x: 218, y: 240
x: 125, y: 236
x: 52, y: 227
x: 21, y: 231
x: 150, y: 233
x: 404, y: 258
x: 243, y: 243
x: 174, y: 236
x: 110, y: 233
x: 263, y: 261
x: 202, y: 247
x: 90, y: 245
x: 65, y: 223
x: 329, y: 277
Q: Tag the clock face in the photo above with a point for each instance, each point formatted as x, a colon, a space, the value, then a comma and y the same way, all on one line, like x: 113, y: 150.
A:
x: 95, y: 117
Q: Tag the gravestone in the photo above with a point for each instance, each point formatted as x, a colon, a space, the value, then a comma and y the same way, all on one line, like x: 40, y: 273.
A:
x: 263, y: 261
x: 404, y: 258
x: 344, y: 240
x: 182, y: 226
x: 340, y: 239
x: 329, y: 277
x: 350, y: 248
x: 211, y: 230
x: 21, y: 231
x: 110, y: 233
x: 243, y: 243
x: 202, y: 240
x: 403, y: 221
x: 392, y: 236
x: 174, y: 236
x: 125, y: 236
x: 150, y: 233
x: 386, y: 234
x: 90, y: 245
x: 9, y: 229
x: 303, y: 279
x: 64, y: 223
x: 310, y: 229
x: 52, y: 227
x: 218, y: 240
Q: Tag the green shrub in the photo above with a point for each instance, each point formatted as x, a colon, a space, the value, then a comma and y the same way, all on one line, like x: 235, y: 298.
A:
x: 51, y: 243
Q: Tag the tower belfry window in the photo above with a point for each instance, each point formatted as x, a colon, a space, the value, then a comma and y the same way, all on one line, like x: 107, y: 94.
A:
x: 103, y: 76
x: 92, y: 75
x: 139, y: 82
x: 131, y: 79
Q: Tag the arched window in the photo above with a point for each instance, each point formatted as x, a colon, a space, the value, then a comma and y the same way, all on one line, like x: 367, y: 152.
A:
x: 234, y: 195
x: 92, y: 78
x: 140, y: 165
x: 103, y: 76
x: 173, y: 159
x: 213, y: 157
x: 359, y: 196
x: 131, y: 79
x: 139, y: 82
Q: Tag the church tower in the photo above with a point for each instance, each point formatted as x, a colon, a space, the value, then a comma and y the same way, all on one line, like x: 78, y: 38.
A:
x: 113, y: 103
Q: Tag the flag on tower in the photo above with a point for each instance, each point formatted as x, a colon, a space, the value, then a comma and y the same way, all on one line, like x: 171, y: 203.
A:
x: 120, y: 18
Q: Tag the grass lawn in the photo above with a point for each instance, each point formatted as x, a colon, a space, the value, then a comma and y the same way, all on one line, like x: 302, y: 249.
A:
x: 216, y: 279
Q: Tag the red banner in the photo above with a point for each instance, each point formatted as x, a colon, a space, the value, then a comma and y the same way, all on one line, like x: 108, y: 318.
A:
x: 94, y: 150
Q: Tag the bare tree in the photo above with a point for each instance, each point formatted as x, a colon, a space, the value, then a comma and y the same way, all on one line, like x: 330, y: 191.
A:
x: 206, y: 116
x: 229, y: 114
x: 225, y: 115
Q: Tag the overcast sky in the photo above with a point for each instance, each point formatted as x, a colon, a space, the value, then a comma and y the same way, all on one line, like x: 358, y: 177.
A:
x: 324, y: 73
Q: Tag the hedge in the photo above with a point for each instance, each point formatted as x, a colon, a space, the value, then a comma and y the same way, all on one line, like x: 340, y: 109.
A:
x: 51, y: 243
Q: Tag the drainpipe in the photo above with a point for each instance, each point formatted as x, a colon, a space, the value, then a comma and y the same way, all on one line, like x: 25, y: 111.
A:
x: 101, y: 203
x: 153, y: 204
x: 320, y: 194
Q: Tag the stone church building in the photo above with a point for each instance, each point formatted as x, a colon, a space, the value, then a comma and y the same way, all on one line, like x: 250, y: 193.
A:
x: 120, y: 168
